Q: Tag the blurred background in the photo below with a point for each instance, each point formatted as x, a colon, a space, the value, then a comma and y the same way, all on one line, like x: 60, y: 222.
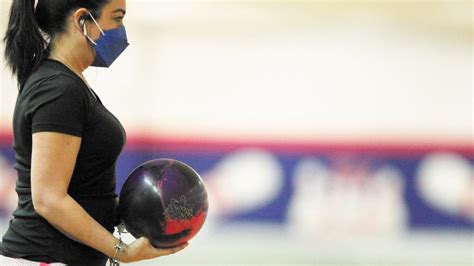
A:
x: 327, y: 132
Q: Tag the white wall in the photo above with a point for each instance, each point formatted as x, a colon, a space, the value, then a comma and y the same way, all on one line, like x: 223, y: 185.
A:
x: 311, y: 71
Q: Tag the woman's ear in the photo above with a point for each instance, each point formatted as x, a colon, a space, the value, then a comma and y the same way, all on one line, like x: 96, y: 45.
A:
x: 80, y: 17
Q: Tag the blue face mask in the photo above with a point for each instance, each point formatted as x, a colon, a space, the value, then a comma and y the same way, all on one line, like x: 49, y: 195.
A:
x: 109, y: 46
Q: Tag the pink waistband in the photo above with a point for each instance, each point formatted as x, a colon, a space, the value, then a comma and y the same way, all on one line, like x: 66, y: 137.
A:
x: 22, y: 262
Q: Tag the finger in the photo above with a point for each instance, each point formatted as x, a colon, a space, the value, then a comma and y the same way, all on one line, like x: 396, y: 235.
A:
x: 169, y: 251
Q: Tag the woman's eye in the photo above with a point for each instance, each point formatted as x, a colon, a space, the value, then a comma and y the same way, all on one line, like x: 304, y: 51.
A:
x: 119, y: 19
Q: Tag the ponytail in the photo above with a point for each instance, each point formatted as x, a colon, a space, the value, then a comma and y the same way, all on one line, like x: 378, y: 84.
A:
x: 24, y: 43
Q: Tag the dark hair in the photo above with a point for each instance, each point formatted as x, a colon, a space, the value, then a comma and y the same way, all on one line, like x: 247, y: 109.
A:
x: 30, y: 31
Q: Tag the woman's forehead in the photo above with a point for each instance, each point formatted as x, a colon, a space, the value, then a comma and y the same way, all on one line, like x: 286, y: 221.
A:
x: 116, y: 7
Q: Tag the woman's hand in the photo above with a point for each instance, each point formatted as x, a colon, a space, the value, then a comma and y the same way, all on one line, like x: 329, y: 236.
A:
x: 141, y: 249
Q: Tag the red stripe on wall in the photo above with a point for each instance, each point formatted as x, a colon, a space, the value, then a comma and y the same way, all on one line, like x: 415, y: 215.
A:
x: 298, y: 147
x: 208, y: 145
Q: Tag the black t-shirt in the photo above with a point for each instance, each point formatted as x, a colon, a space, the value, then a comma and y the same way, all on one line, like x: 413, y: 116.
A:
x: 55, y: 99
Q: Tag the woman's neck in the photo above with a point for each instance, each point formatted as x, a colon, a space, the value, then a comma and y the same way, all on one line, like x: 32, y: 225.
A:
x: 66, y: 59
x: 62, y: 50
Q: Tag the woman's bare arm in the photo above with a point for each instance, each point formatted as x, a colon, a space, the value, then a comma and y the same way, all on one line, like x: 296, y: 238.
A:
x: 52, y: 164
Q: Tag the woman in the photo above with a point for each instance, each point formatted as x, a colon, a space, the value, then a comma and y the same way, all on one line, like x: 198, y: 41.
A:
x: 66, y: 142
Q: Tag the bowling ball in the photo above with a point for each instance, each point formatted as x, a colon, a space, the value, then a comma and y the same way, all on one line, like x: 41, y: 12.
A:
x: 165, y: 201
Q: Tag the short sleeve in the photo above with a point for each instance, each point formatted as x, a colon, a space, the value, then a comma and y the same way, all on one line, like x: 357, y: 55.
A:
x: 58, y: 104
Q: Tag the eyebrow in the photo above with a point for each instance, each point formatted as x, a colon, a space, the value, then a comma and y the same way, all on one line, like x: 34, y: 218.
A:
x: 120, y: 10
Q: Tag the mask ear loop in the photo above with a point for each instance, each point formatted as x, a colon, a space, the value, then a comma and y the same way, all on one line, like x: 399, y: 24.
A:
x: 85, y: 29
x: 87, y: 36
